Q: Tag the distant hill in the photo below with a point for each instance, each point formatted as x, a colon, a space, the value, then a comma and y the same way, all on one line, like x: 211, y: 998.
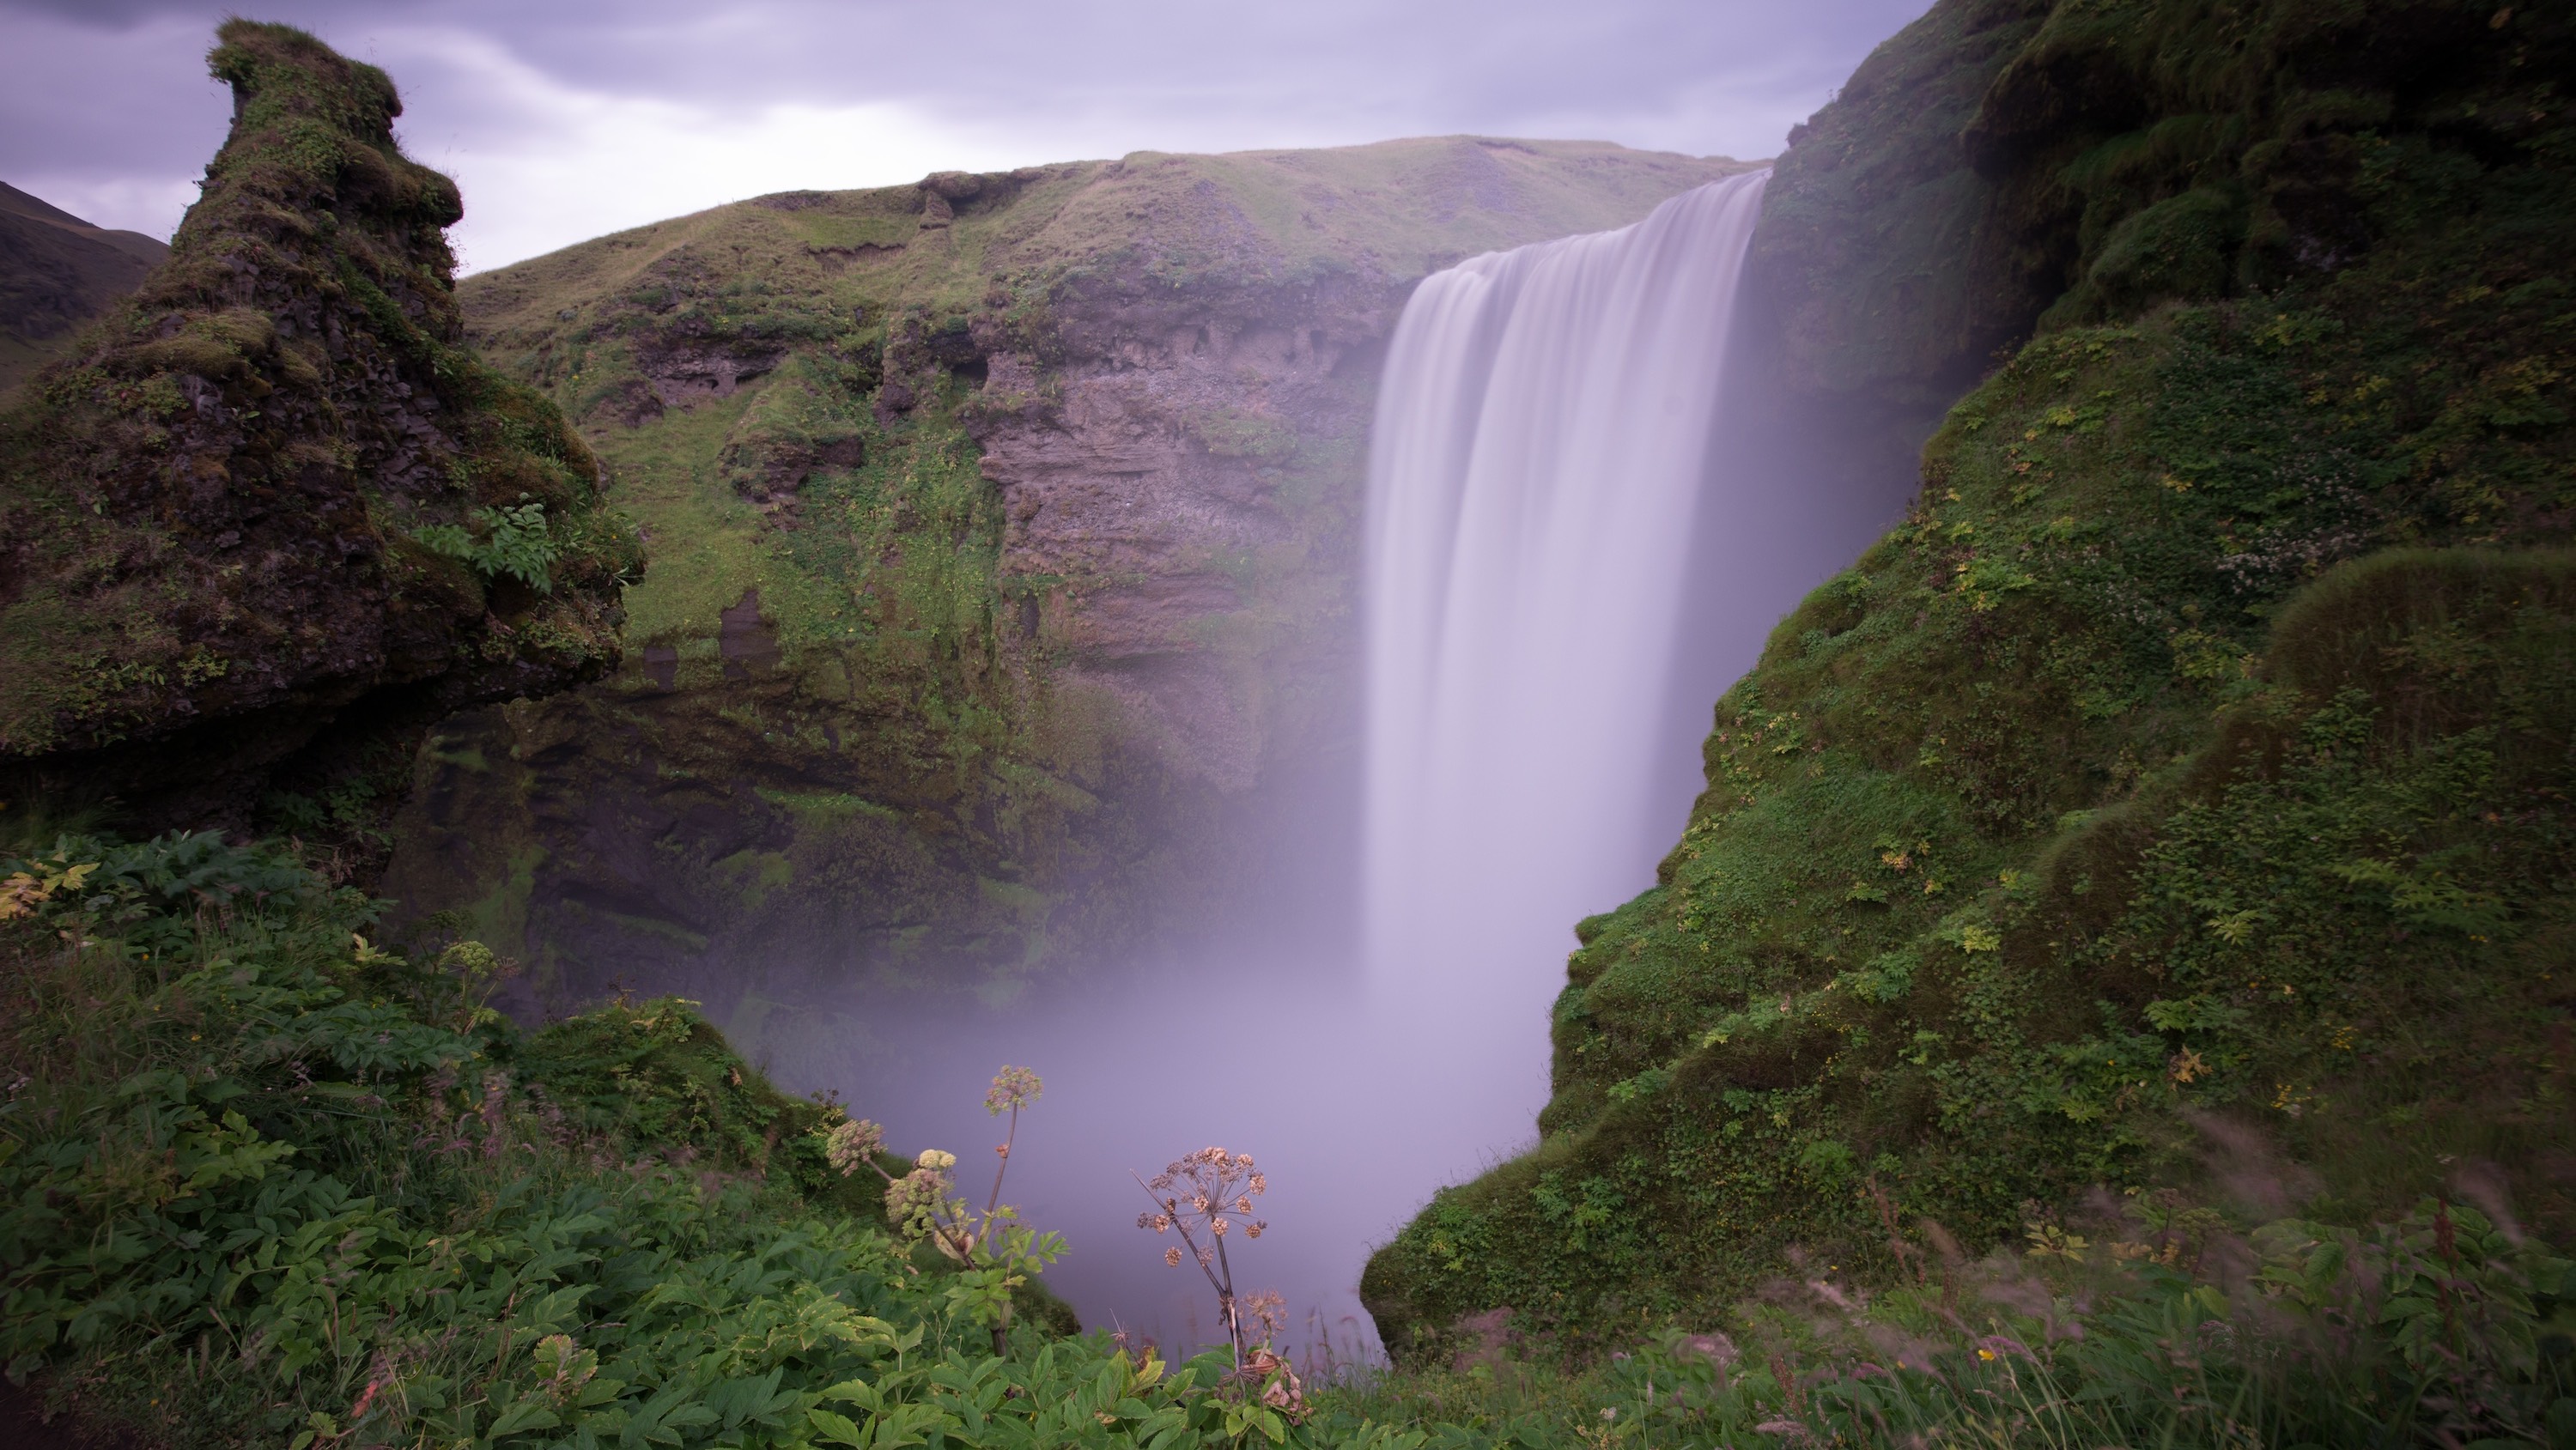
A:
x: 57, y: 272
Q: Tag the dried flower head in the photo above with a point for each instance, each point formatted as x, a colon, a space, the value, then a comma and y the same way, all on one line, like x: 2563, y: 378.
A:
x: 1172, y: 1257
x: 1013, y: 1088
x: 853, y: 1146
x: 1267, y: 1310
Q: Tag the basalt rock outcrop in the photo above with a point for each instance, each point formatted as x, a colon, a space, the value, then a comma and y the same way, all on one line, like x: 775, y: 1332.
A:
x: 269, y: 520
x: 1004, y: 530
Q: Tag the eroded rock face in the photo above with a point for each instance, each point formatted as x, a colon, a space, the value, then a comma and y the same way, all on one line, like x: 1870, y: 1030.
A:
x: 1153, y: 480
x: 253, y: 542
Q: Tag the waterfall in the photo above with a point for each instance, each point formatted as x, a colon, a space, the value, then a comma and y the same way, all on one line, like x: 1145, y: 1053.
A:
x: 1541, y: 449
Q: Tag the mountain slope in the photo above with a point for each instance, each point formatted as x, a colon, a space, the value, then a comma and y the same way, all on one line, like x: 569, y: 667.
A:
x: 56, y: 272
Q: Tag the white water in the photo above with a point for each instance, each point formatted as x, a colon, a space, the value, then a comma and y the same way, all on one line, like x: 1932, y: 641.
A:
x: 1542, y: 449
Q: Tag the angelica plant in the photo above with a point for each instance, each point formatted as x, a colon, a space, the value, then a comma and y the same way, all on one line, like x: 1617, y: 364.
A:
x: 923, y: 1204
x: 1205, y: 1197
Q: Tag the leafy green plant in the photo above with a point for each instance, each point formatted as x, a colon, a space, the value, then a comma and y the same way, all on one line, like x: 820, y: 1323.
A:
x: 515, y: 544
x: 264, y: 1181
x: 994, y: 1254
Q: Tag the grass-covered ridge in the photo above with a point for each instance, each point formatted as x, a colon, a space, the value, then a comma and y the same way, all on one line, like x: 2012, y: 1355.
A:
x: 266, y: 1181
x: 2189, y: 770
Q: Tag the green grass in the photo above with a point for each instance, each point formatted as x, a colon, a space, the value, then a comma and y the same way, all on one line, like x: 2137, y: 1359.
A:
x: 267, y: 1182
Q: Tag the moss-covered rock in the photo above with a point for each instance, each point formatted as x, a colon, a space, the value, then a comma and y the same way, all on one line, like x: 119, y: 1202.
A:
x: 2190, y: 771
x: 270, y: 519
x: 1004, y: 530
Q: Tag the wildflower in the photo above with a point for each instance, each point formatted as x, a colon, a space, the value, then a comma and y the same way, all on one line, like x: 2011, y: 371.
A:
x: 935, y: 1160
x: 854, y: 1145
x: 1212, y: 1190
x: 914, y: 1200
x: 1985, y: 1354
x: 1013, y: 1089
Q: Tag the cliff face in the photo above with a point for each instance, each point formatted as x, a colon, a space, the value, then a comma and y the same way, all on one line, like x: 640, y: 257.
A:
x: 57, y: 272
x: 268, y: 520
x: 1004, y: 527
x: 2197, y: 751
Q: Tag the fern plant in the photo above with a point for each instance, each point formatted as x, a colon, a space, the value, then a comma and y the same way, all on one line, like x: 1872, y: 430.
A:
x: 516, y: 543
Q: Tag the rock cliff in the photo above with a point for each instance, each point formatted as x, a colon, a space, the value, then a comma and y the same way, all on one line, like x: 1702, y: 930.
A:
x: 268, y: 519
x: 2177, y: 800
x: 1003, y: 528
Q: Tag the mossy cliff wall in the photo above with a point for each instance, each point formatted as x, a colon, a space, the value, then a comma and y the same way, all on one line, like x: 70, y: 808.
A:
x: 251, y: 532
x: 1003, y: 530
x: 2190, y: 771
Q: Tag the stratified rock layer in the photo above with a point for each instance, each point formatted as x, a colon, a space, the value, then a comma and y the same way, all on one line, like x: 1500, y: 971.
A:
x: 252, y: 539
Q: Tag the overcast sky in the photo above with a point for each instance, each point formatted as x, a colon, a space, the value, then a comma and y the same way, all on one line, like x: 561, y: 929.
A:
x: 563, y: 119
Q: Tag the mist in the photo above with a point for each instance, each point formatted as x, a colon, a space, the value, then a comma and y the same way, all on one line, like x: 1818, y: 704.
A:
x: 1364, y: 1058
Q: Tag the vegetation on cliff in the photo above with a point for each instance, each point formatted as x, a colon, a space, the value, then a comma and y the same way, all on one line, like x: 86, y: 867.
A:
x: 269, y: 518
x: 1005, y: 526
x: 2187, y: 779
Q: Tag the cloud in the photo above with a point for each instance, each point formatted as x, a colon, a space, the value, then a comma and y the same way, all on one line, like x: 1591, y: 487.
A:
x: 567, y: 119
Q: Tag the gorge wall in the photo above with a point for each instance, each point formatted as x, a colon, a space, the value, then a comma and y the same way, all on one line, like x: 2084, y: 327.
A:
x: 2177, y: 800
x: 1004, y: 531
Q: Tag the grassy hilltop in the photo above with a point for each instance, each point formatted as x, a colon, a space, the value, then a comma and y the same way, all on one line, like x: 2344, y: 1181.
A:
x: 2178, y: 799
x: 1003, y: 531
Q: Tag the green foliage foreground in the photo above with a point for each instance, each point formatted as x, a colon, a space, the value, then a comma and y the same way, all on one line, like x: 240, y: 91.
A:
x: 267, y: 1183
